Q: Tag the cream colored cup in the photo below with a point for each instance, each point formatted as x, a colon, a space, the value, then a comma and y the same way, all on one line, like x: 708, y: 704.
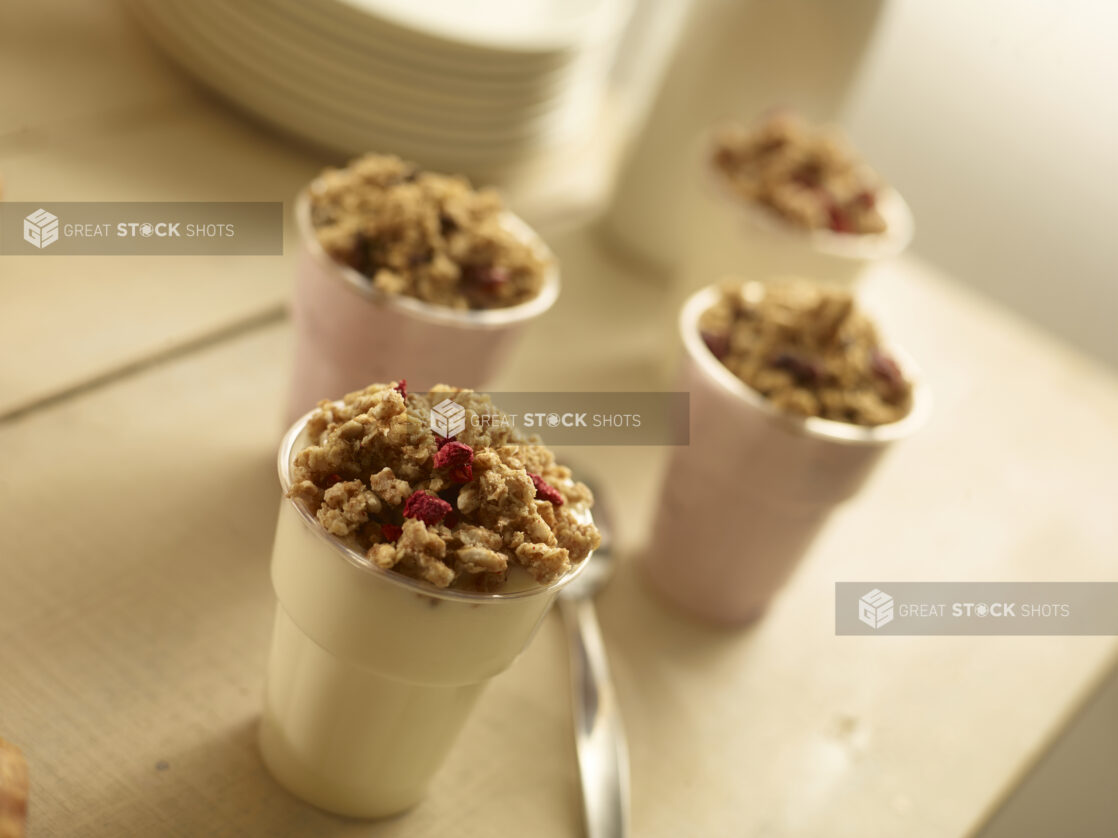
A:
x: 743, y: 501
x: 373, y: 674
x: 726, y: 235
x: 348, y: 333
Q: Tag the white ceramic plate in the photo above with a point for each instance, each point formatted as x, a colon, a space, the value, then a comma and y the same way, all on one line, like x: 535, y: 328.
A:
x: 501, y: 28
x: 310, y: 119
x: 351, y: 29
x: 306, y: 72
x: 233, y: 66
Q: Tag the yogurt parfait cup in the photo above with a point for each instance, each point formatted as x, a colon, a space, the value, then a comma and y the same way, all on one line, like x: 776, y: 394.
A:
x: 728, y: 235
x: 742, y: 503
x: 347, y: 332
x: 372, y: 674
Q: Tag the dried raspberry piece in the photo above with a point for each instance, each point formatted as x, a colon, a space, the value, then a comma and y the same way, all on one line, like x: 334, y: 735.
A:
x: 487, y: 277
x: 544, y: 491
x: 804, y: 370
x: 866, y: 199
x: 402, y: 387
x: 886, y: 368
x: 719, y: 345
x: 441, y: 441
x: 425, y: 507
x: 459, y: 458
x: 839, y: 222
x: 391, y: 532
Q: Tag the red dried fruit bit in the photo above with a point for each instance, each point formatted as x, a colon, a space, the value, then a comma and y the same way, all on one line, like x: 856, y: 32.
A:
x: 804, y: 370
x: 487, y: 277
x: 719, y: 345
x: 839, y: 222
x: 866, y: 199
x: 459, y: 458
x: 426, y: 507
x: 544, y: 491
x: 402, y: 387
x: 391, y: 532
x: 885, y: 367
x: 809, y: 175
x: 442, y: 441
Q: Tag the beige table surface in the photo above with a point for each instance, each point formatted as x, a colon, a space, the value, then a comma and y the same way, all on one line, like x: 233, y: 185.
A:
x: 135, y: 605
x: 142, y: 400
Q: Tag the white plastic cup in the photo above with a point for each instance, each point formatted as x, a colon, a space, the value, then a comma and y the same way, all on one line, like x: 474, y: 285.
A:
x: 372, y: 674
x: 348, y: 333
x: 740, y: 504
x: 728, y: 235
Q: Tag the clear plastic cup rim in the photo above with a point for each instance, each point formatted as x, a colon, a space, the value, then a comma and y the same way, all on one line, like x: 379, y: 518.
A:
x: 359, y: 561
x: 812, y: 426
x: 488, y: 318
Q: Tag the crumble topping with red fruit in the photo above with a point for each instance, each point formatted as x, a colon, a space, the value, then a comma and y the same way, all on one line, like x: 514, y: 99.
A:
x: 424, y: 235
x: 809, y: 176
x: 455, y: 512
x: 808, y: 350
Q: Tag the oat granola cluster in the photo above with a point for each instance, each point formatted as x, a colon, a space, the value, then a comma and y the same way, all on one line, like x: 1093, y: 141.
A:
x: 424, y: 235
x: 808, y: 350
x: 454, y: 512
x: 809, y: 176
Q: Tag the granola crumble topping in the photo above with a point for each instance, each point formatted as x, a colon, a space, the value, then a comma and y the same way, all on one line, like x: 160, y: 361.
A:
x: 375, y: 476
x: 424, y: 235
x: 809, y: 176
x: 808, y: 350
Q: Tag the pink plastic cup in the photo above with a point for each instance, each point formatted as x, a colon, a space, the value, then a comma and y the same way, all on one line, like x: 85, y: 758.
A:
x: 348, y: 334
x: 741, y: 504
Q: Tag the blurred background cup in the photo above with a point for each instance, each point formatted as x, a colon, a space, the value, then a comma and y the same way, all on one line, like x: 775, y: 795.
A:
x: 348, y: 334
x: 742, y: 503
x: 726, y: 234
x: 730, y: 58
x: 372, y: 674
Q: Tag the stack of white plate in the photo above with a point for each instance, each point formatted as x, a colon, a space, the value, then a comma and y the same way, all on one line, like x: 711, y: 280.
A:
x: 479, y: 86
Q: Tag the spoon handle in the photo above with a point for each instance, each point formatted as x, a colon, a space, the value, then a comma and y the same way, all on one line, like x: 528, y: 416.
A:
x: 603, y: 757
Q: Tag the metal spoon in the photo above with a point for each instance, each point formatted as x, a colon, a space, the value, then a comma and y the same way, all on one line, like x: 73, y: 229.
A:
x: 603, y: 756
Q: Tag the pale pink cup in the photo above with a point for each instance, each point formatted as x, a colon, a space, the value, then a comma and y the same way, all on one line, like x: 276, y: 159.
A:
x: 348, y: 334
x: 743, y: 501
